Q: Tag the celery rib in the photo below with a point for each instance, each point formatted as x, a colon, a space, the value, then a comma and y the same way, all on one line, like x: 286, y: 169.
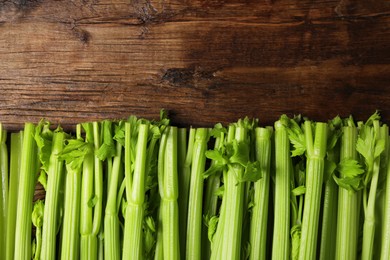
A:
x: 258, y: 227
x: 281, y: 232
x: 28, y: 171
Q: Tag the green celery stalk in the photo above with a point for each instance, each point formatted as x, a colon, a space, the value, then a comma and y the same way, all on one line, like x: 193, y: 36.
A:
x: 70, y: 243
x: 98, y: 182
x: 347, y: 213
x: 258, y: 226
x: 88, y: 242
x: 194, y: 221
x: 27, y: 180
x: 4, y: 188
x: 385, y: 248
x: 217, y: 239
x: 135, y: 192
x: 281, y: 232
x: 15, y: 162
x: 213, y: 183
x: 168, y: 187
x: 184, y: 187
x: 111, y: 220
x: 70, y: 239
x: 316, y: 151
x: 234, y: 195
x: 372, y: 158
x: 51, y: 212
x: 330, y: 203
x: 329, y: 221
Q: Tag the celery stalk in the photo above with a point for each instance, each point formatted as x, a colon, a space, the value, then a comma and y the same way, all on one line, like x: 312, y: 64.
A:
x: 4, y: 188
x: 15, y: 162
x: 51, y: 213
x: 98, y: 182
x: 111, y: 221
x: 347, y: 213
x: 258, y: 227
x: 184, y: 184
x: 316, y: 151
x: 370, y: 145
x: 135, y: 193
x: 70, y: 239
x: 385, y: 248
x: 281, y: 232
x: 234, y: 195
x: 212, y: 184
x: 194, y: 221
x: 88, y: 242
x: 27, y: 180
x: 169, y: 194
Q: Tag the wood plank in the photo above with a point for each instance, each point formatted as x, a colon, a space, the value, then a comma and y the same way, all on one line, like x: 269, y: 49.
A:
x: 204, y: 61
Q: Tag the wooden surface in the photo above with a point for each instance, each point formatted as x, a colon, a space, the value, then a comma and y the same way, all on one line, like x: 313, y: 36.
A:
x: 204, y: 61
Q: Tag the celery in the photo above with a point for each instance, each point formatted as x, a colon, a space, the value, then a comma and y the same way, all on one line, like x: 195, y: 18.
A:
x: 135, y: 191
x: 98, y: 179
x: 168, y: 187
x: 27, y: 177
x: 329, y: 212
x: 258, y: 226
x: 111, y: 221
x: 73, y: 153
x: 281, y: 232
x: 385, y: 247
x: 348, y: 214
x: 184, y: 176
x: 88, y: 242
x: 54, y: 169
x: 212, y: 184
x: 4, y: 188
x: 194, y: 221
x: 234, y: 161
x: 15, y: 161
x: 315, y: 152
x: 370, y: 145
x: 234, y: 195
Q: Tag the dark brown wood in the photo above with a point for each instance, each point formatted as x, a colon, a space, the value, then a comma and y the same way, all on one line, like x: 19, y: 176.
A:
x: 204, y: 61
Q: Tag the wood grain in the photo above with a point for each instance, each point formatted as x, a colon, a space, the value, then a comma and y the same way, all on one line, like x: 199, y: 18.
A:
x: 204, y: 61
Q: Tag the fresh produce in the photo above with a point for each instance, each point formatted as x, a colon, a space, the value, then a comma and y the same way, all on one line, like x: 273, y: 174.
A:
x: 144, y: 189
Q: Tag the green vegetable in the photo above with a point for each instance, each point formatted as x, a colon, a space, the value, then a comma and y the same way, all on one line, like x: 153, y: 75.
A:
x: 370, y: 145
x: 88, y: 240
x: 184, y: 176
x: 348, y: 214
x: 329, y: 206
x: 3, y: 188
x: 27, y: 180
x: 111, y: 220
x: 73, y: 153
x: 54, y: 169
x: 385, y: 247
x: 15, y: 162
x: 168, y: 187
x: 194, y: 221
x: 210, y: 203
x: 315, y: 153
x: 135, y: 191
x: 258, y: 227
x: 283, y: 171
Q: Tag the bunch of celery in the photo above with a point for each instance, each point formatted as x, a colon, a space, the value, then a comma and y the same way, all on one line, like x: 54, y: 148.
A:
x: 143, y: 189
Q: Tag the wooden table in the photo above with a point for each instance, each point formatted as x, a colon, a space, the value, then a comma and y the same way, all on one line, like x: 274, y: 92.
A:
x: 204, y: 61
